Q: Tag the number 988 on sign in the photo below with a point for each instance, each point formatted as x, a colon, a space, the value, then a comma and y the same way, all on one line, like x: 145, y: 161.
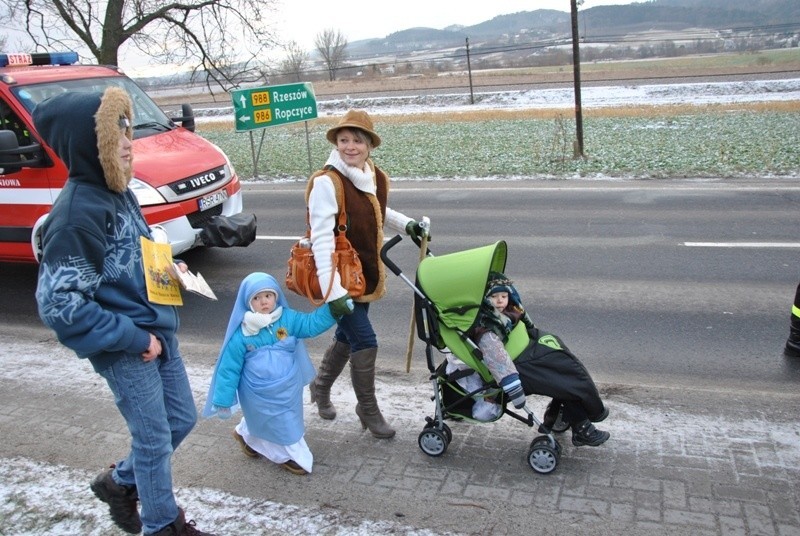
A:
x: 260, y: 98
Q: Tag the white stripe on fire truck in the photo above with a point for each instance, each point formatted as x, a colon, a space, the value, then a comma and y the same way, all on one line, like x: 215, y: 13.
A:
x: 28, y: 196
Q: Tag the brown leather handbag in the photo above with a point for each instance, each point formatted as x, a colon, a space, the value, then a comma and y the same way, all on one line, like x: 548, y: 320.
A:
x: 301, y: 272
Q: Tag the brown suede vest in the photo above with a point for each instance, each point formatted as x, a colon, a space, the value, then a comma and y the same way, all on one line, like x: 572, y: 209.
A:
x: 365, y: 216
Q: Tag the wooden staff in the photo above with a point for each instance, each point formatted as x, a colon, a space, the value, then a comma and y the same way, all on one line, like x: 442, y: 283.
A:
x: 423, y: 248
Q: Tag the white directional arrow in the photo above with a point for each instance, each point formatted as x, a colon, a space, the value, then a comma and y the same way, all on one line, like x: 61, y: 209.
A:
x: 244, y: 118
x: 244, y: 101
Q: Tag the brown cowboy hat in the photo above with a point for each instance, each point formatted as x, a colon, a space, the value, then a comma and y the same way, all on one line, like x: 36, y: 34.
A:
x: 355, y: 119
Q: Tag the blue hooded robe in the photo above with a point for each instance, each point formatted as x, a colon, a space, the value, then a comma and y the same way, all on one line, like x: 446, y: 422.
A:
x: 265, y: 373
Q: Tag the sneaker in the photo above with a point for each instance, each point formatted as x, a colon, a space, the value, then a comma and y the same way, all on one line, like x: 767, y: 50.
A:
x: 248, y: 451
x: 121, y: 501
x: 181, y: 527
x: 293, y: 468
x: 585, y: 433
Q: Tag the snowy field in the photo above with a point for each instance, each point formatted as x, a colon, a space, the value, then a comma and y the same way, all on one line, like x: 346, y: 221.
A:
x: 649, y: 142
x: 591, y: 97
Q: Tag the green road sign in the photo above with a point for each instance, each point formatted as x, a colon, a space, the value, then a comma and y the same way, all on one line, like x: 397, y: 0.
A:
x: 270, y: 106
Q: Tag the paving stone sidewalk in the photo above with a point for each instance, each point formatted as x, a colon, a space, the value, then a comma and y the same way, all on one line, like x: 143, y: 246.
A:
x: 699, y: 462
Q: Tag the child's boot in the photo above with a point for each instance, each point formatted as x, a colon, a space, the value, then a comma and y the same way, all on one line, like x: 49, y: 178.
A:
x: 584, y: 433
x: 553, y: 414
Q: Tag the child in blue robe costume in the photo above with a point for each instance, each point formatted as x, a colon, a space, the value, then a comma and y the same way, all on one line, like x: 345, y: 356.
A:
x: 262, y: 368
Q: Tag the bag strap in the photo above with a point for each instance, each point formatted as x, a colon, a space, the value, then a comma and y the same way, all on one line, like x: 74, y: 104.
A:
x: 341, y: 226
x: 341, y: 223
x: 336, y: 178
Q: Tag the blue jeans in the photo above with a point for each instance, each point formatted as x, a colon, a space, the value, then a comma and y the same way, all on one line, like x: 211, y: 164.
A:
x: 155, y: 400
x: 356, y: 330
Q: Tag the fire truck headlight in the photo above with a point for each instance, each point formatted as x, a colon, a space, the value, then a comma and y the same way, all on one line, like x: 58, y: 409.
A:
x: 145, y: 194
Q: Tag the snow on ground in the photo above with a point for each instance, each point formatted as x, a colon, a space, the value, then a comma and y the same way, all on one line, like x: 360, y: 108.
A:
x: 38, y: 498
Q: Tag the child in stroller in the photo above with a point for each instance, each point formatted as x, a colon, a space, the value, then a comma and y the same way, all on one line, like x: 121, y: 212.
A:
x: 499, y: 313
x: 452, y: 311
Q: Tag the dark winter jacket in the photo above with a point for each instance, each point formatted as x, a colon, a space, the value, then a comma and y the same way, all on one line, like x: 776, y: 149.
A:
x: 91, y: 288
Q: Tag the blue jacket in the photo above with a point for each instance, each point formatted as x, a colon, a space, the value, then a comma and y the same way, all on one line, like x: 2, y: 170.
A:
x: 91, y: 289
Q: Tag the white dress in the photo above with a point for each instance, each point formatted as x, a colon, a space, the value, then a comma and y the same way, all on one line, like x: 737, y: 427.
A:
x: 299, y: 451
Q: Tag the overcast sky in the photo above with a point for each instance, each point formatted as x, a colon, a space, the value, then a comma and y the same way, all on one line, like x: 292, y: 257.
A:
x: 302, y: 20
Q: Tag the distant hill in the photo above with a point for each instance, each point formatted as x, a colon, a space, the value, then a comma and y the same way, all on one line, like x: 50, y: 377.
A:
x: 543, y: 24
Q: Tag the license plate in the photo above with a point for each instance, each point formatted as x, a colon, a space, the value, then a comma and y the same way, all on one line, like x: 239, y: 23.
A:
x: 212, y: 200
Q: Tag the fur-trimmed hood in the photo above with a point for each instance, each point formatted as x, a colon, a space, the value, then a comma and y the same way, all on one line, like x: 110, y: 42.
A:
x: 83, y: 130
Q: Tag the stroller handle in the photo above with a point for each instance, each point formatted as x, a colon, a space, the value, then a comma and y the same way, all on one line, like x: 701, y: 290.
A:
x: 385, y: 256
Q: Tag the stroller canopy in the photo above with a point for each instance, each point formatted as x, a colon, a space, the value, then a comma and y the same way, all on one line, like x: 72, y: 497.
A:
x: 455, y: 283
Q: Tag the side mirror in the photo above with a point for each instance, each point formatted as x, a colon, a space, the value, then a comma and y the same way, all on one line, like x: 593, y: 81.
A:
x: 14, y: 157
x: 10, y: 156
x: 187, y: 118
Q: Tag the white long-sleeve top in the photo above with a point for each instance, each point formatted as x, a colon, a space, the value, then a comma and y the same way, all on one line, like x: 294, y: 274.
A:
x: 323, y: 211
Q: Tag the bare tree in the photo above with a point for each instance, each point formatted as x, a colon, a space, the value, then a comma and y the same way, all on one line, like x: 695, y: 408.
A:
x: 218, y: 39
x: 295, y: 61
x: 331, y: 45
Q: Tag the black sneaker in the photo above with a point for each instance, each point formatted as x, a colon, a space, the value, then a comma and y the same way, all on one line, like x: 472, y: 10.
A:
x: 121, y: 501
x: 181, y: 527
x: 586, y: 434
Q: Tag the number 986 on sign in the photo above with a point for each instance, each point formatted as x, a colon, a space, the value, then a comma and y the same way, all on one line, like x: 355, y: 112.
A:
x: 263, y: 116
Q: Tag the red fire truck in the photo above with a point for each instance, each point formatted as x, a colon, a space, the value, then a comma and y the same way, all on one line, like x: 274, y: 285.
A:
x: 186, y: 185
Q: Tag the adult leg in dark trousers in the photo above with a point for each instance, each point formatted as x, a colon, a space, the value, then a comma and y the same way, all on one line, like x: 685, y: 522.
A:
x: 792, y: 348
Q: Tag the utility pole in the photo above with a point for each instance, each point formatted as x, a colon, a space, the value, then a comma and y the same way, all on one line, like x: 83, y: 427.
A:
x: 576, y: 65
x: 469, y: 72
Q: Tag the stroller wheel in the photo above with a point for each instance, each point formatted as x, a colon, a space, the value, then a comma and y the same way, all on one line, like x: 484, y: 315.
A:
x: 447, y: 432
x: 545, y: 440
x: 542, y: 456
x: 446, y: 429
x: 432, y: 442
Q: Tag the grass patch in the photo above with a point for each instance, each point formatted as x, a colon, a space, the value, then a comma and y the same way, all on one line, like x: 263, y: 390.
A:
x: 721, y: 140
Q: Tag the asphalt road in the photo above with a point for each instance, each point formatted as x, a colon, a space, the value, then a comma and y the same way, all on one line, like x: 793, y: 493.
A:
x: 680, y: 283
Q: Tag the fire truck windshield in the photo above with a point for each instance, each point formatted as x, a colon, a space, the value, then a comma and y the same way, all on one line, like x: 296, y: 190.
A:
x: 145, y: 111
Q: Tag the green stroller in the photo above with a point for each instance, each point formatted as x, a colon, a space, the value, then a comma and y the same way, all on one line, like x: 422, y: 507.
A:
x: 447, y: 296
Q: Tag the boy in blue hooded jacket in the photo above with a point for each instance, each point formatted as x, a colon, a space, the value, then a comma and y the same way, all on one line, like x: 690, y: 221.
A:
x: 92, y: 292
